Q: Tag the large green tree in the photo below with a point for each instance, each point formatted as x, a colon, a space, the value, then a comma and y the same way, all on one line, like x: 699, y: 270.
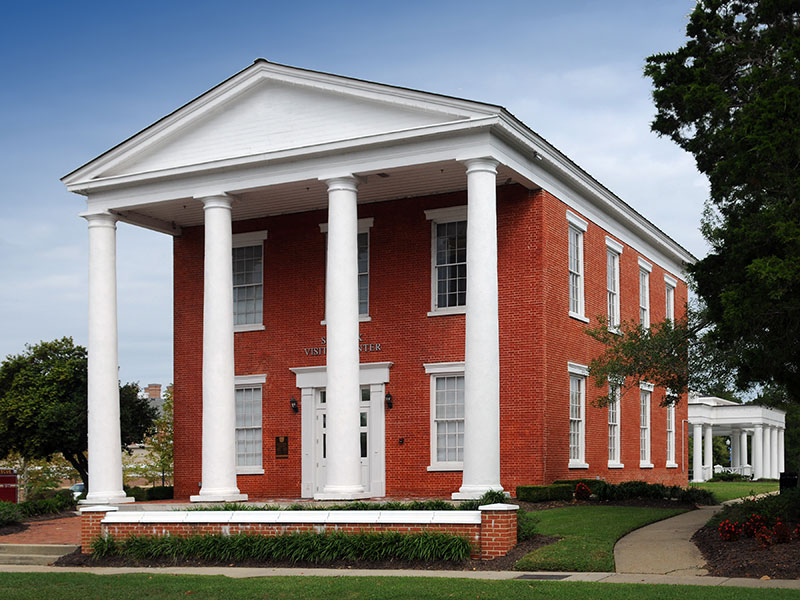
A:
x: 731, y: 97
x: 43, y: 407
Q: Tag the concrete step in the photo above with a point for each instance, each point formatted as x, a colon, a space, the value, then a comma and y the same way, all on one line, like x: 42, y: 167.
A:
x: 33, y: 554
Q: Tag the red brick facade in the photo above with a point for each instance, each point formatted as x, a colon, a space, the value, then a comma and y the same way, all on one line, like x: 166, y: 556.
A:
x: 537, y: 339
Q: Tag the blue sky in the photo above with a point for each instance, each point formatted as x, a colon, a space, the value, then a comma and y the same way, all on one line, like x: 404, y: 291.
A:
x: 79, y: 77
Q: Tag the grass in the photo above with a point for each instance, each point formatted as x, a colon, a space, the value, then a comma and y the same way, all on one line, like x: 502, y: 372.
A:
x: 588, y: 536
x: 54, y: 586
x: 728, y: 490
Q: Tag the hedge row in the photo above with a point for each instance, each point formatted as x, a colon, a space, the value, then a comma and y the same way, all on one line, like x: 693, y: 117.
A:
x: 159, y: 492
x: 296, y: 547
x: 11, y: 513
x: 603, y: 491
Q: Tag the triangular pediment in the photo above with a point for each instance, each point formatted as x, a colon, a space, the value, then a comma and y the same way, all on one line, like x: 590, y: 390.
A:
x: 268, y: 108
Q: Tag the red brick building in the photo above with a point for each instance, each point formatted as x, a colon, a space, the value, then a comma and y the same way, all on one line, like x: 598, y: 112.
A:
x: 412, y: 277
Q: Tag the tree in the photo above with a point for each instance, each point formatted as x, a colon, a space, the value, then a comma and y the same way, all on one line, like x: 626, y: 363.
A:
x: 731, y: 97
x: 159, y: 444
x: 43, y: 408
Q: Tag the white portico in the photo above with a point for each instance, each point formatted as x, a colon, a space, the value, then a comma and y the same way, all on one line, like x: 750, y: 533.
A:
x: 756, y: 437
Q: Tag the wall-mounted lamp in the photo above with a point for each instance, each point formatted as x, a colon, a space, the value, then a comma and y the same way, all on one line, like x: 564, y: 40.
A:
x: 293, y: 404
x: 389, y: 403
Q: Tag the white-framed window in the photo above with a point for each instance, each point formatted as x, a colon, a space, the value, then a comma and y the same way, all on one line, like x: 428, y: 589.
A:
x: 577, y: 415
x: 248, y: 400
x: 248, y: 280
x: 669, y: 285
x: 576, y: 229
x: 644, y: 293
x: 613, y: 250
x: 448, y: 259
x: 645, y: 395
x: 364, y: 226
x: 447, y: 416
x: 671, y: 436
x: 614, y: 435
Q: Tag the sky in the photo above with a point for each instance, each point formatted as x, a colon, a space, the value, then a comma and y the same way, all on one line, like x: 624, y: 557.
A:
x: 80, y: 77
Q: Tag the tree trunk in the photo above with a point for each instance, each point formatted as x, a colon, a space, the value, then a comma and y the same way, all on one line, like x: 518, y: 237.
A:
x: 81, y: 465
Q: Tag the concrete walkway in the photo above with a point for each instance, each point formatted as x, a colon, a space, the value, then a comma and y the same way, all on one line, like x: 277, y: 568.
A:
x: 665, y: 547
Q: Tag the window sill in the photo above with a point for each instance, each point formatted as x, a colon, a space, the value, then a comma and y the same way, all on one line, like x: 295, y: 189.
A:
x: 615, y: 330
x: 578, y: 317
x: 253, y: 327
x: 671, y: 465
x: 646, y: 465
x: 578, y: 465
x: 615, y: 465
x: 446, y: 467
x: 361, y: 319
x: 453, y: 310
x: 249, y: 471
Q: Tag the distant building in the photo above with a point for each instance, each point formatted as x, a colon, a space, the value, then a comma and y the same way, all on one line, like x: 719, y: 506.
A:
x: 378, y: 292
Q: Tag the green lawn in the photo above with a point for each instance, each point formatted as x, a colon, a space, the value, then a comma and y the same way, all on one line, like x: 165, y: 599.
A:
x: 589, y: 534
x: 85, y: 586
x: 728, y: 490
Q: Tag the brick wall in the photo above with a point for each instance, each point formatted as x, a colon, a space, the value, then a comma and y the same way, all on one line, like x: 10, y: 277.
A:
x: 492, y: 532
x: 537, y: 338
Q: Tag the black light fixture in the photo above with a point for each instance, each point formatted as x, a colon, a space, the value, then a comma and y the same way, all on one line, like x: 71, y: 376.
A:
x: 293, y: 404
x: 389, y: 401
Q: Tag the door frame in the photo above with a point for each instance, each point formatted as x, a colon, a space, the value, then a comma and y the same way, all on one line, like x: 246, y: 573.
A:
x: 309, y: 380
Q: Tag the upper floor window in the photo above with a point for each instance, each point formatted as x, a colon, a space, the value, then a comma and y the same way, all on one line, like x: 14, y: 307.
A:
x: 613, y: 250
x: 670, y: 284
x: 364, y: 226
x: 248, y: 423
x: 577, y: 415
x: 576, y: 229
x: 248, y: 280
x: 448, y: 259
x: 644, y: 293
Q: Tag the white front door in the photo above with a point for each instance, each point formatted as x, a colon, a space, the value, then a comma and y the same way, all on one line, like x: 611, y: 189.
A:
x: 321, y: 438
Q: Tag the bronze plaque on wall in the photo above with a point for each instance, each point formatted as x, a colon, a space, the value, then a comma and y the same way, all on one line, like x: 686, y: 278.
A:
x: 282, y: 446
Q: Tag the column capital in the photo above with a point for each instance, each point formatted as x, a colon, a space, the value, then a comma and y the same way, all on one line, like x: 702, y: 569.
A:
x: 481, y: 164
x: 346, y: 182
x: 103, y: 219
x: 216, y: 201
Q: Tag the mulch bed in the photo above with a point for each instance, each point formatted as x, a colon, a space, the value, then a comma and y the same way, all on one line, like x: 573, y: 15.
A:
x: 746, y: 558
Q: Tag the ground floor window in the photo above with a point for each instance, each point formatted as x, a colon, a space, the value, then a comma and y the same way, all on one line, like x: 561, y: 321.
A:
x: 613, y: 426
x: 248, y: 427
x: 447, y: 415
x: 645, y: 392
x: 671, y: 435
x: 577, y: 415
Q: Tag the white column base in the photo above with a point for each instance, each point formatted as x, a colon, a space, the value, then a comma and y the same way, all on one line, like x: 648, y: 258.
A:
x: 473, y: 492
x: 232, y: 495
x: 101, y: 498
x: 341, y: 493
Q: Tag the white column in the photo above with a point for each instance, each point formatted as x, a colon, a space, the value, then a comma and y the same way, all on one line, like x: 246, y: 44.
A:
x: 735, y: 456
x: 708, y: 454
x: 743, y: 448
x: 773, y: 461
x: 219, y: 409
x: 697, y: 452
x: 766, y: 454
x: 758, y: 447
x: 105, y: 446
x: 343, y: 475
x: 781, y: 465
x: 482, y: 347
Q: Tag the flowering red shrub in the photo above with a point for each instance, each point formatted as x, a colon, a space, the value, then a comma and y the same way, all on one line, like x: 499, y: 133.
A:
x: 582, y: 492
x: 781, y: 533
x: 797, y: 531
x: 730, y: 531
x: 754, y: 524
x: 764, y: 536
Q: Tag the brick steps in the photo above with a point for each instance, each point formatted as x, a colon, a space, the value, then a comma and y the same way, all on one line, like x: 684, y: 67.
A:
x: 33, y: 554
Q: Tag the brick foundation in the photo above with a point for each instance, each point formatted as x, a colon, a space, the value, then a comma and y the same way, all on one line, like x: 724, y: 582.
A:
x: 492, y: 530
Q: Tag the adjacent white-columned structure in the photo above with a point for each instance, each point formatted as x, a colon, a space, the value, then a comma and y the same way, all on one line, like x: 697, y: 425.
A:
x: 773, y: 461
x: 219, y: 409
x: 781, y: 464
x: 708, y: 453
x: 743, y: 461
x: 105, y: 446
x: 766, y: 454
x: 758, y: 451
x: 697, y: 452
x: 482, y: 349
x: 343, y: 479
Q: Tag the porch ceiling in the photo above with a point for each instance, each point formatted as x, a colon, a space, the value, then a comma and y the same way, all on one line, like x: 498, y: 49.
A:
x: 302, y: 196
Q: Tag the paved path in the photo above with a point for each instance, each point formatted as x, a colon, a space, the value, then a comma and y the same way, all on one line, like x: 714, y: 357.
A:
x: 62, y: 530
x: 665, y: 547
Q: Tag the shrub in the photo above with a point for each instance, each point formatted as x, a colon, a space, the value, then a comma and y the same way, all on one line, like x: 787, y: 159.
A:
x: 784, y: 507
x: 592, y: 484
x: 753, y: 524
x: 160, y: 492
x: 490, y: 497
x: 695, y: 495
x: 582, y: 492
x: 730, y: 531
x: 526, y: 525
x: 543, y: 493
x: 137, y: 493
x: 729, y: 477
x: 781, y: 533
x: 631, y: 490
x: 296, y: 547
x: 764, y: 537
x: 10, y: 514
x: 54, y: 504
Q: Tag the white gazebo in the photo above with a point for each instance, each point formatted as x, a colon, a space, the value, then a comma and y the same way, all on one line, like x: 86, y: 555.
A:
x: 764, y: 427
